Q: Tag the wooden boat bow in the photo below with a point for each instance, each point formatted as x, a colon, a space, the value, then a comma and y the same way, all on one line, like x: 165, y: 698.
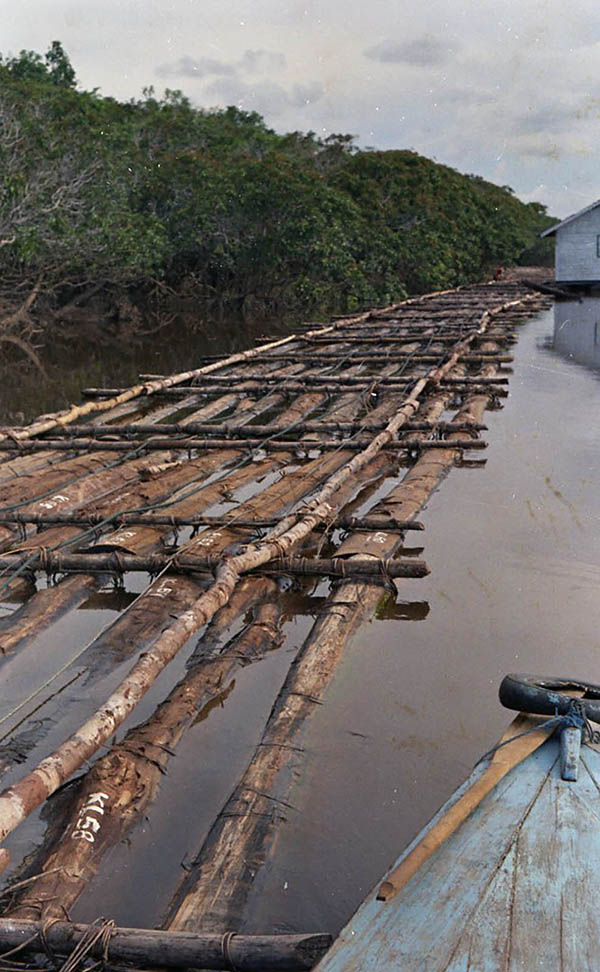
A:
x: 534, y: 696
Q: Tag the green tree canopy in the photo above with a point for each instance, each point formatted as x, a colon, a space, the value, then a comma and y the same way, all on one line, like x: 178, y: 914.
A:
x: 215, y: 203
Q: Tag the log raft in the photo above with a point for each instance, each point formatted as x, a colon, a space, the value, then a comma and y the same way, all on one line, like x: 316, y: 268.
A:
x: 347, y: 405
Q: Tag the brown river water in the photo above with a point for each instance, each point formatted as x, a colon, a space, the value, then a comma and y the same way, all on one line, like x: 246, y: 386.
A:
x: 514, y: 553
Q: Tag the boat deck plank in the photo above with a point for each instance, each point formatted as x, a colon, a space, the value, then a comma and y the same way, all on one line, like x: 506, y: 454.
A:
x: 497, y: 896
x: 544, y: 886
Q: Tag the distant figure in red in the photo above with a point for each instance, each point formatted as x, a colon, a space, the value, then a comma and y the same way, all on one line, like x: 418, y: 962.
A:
x: 499, y: 273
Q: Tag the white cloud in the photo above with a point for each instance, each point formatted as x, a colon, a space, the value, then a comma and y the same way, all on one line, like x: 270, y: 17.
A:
x: 421, y: 52
x: 188, y: 67
x: 262, y: 62
x: 500, y: 87
x: 267, y: 97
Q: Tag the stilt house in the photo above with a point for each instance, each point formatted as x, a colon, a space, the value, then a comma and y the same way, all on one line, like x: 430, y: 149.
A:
x: 578, y: 246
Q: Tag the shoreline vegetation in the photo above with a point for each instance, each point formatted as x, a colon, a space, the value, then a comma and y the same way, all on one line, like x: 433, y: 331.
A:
x: 115, y: 216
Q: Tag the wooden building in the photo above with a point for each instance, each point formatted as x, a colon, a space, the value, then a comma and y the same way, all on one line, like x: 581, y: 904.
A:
x: 578, y: 246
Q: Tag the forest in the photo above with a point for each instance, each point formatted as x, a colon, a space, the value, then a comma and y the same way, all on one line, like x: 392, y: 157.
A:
x: 106, y: 206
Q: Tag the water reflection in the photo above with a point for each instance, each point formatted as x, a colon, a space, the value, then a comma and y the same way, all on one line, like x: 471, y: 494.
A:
x: 577, y: 330
x: 391, y: 608
x: 85, y: 361
x: 513, y: 554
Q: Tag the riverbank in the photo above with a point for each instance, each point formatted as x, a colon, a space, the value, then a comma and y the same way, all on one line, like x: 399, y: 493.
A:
x: 177, y: 345
x: 90, y: 356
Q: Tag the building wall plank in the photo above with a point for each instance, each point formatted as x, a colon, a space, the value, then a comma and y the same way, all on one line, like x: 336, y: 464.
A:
x: 577, y: 250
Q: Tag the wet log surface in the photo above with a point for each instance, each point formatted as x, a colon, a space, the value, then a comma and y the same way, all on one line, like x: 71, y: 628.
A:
x: 453, y: 346
x: 145, y: 948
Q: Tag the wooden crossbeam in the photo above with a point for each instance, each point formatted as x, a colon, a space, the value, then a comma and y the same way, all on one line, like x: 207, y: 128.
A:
x: 225, y: 429
x: 146, y: 948
x: 116, y: 561
x: 188, y: 443
x: 164, y: 519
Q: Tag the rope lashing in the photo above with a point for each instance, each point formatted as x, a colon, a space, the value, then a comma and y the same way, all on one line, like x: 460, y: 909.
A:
x: 574, y: 718
x: 226, y: 950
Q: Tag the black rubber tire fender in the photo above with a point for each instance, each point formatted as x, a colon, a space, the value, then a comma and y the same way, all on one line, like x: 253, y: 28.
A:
x: 544, y: 696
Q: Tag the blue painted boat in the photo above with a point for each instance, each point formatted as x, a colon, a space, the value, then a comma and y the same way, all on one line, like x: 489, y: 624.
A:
x: 507, y: 875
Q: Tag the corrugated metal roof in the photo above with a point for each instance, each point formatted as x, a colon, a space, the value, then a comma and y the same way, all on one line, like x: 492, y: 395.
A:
x: 570, y: 219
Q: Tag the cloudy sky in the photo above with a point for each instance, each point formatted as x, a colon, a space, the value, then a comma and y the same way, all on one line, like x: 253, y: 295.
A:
x: 509, y: 89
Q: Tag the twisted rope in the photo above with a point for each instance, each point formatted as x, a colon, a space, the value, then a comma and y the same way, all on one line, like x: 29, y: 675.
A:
x: 574, y: 718
x: 98, y: 932
x: 226, y: 951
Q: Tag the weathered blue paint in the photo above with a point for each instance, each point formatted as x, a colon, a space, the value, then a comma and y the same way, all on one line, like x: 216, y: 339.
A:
x: 517, y: 887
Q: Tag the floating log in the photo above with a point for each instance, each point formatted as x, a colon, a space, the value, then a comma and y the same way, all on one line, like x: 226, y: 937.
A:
x: 274, y: 428
x: 132, y: 770
x: 146, y: 949
x: 233, y: 520
x: 116, y: 562
x: 345, y: 357
x: 367, y: 340
x: 173, y: 444
x: 293, y: 388
x: 327, y: 381
x: 25, y: 794
x: 66, y: 417
x: 215, y: 891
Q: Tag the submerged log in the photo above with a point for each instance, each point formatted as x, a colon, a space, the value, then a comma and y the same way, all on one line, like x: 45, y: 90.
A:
x: 146, y: 949
x: 130, y: 773
x: 213, y: 896
x: 146, y: 749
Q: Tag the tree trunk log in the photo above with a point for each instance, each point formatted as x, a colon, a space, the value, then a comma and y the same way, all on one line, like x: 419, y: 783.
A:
x: 147, y: 949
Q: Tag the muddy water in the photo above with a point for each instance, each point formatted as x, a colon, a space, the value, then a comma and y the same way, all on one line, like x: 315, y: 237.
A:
x: 177, y: 347
x: 514, y: 552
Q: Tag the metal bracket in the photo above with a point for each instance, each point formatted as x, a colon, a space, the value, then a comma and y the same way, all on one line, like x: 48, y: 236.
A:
x: 570, y: 746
